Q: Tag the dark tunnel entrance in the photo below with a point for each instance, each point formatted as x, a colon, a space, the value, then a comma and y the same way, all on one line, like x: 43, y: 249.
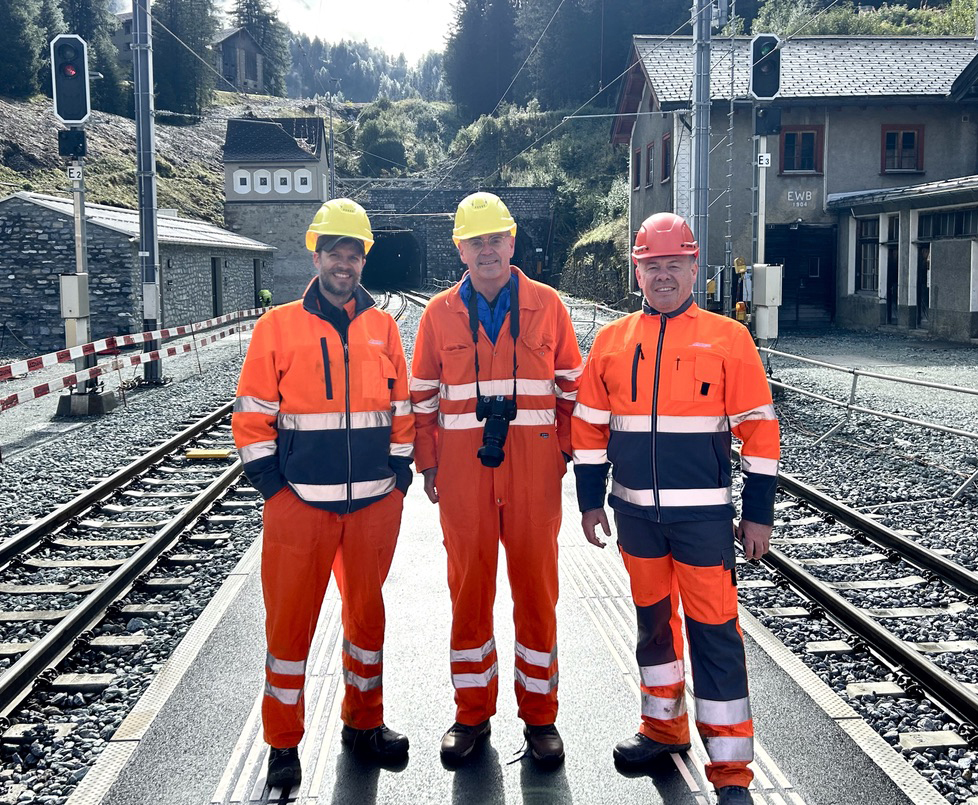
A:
x: 394, y: 261
x: 528, y: 257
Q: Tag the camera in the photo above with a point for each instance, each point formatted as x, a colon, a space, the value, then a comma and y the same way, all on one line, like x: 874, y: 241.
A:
x: 497, y: 412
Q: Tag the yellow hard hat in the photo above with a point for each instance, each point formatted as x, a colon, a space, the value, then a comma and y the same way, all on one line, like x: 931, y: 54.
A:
x: 481, y: 214
x: 343, y: 218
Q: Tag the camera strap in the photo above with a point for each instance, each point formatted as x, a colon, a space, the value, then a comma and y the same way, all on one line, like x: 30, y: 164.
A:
x: 514, y: 327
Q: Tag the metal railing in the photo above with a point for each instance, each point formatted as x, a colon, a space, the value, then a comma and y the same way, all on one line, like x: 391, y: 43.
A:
x: 590, y: 310
x: 851, y: 407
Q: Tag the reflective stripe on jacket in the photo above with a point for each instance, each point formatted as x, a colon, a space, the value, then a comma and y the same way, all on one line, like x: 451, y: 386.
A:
x: 443, y: 390
x: 659, y: 398
x: 322, y: 404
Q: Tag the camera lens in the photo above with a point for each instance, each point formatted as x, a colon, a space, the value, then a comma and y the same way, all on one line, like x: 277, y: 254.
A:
x: 490, y: 455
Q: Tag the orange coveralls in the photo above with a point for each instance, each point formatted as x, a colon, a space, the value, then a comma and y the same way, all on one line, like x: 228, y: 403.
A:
x: 324, y: 428
x: 517, y: 503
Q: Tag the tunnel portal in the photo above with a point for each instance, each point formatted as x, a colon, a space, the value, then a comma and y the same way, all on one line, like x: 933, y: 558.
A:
x: 394, y: 261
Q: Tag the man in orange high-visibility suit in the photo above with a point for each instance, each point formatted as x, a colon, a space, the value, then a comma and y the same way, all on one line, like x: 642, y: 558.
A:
x: 495, y: 372
x: 324, y: 428
x: 662, y: 390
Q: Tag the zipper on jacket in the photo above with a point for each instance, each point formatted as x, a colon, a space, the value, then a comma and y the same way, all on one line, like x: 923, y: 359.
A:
x: 326, y: 371
x: 655, y: 405
x: 638, y: 354
x: 349, y: 430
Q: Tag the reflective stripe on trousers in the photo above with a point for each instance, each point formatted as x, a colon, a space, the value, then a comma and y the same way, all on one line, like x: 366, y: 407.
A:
x: 694, y: 562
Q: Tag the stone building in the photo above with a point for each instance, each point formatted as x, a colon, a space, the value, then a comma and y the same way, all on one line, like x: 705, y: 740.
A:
x: 857, y: 118
x: 204, y: 270
x: 276, y: 179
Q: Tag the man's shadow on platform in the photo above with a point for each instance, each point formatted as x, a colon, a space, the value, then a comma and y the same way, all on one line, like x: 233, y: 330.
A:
x: 356, y: 780
x: 480, y: 780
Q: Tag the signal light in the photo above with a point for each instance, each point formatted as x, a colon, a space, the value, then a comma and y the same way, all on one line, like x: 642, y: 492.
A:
x: 765, y: 66
x: 69, y: 79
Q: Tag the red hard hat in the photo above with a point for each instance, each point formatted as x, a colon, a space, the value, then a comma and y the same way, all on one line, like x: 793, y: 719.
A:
x: 663, y: 235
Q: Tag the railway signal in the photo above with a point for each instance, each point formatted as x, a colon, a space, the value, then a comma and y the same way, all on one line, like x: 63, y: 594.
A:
x: 765, y: 66
x: 69, y: 79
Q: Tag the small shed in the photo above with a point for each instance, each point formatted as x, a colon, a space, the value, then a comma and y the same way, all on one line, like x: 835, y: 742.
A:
x: 240, y: 59
x: 204, y: 270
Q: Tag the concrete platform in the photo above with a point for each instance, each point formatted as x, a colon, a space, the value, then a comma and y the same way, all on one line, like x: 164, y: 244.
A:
x: 195, y: 738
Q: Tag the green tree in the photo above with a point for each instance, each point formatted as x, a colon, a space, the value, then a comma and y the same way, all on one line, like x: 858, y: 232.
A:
x: 263, y: 23
x: 23, y: 43
x: 91, y: 20
x: 52, y: 23
x: 184, y: 83
x: 480, y: 60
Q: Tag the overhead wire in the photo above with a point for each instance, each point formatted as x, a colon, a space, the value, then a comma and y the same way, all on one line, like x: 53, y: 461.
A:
x: 486, y: 118
x: 596, y: 94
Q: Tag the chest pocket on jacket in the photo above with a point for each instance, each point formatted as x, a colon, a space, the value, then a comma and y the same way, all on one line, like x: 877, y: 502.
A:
x: 458, y: 364
x: 377, y: 377
x: 699, y: 377
x: 536, y: 357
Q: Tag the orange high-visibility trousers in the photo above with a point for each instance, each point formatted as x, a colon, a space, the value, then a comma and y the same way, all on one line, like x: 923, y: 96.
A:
x: 693, y: 562
x: 301, y: 544
x: 526, y: 522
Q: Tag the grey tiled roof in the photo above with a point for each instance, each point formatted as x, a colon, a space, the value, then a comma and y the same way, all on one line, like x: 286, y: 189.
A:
x: 266, y: 141
x: 948, y: 189
x: 815, y: 66
x: 185, y: 231
x: 221, y: 35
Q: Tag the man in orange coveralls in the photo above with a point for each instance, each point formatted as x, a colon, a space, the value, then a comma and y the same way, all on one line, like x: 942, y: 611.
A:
x: 324, y: 428
x: 662, y: 390
x: 493, y: 381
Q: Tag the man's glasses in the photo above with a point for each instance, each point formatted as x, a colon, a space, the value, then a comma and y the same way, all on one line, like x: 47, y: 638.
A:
x: 495, y: 242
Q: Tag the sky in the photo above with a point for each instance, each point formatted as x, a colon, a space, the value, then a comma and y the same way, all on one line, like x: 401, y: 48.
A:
x: 411, y: 27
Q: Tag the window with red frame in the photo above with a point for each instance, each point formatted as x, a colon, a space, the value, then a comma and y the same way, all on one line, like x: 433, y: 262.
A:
x: 649, y: 164
x: 666, y: 172
x: 801, y: 149
x: 902, y: 149
x: 637, y: 169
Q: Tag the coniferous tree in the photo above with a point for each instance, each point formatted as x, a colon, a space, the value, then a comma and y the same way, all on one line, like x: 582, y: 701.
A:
x: 52, y: 23
x: 93, y: 22
x: 23, y: 42
x: 263, y: 23
x: 184, y: 82
x: 479, y: 55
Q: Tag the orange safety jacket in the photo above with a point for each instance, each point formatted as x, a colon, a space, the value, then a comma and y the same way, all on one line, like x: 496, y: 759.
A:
x: 443, y: 376
x: 659, y: 398
x: 322, y: 404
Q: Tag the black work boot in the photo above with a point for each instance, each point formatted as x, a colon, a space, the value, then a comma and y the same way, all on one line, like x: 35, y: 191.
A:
x: 546, y: 746
x: 460, y: 741
x: 283, y: 768
x: 639, y: 751
x: 381, y: 743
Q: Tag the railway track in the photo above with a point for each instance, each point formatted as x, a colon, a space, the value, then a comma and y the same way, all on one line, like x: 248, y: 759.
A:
x: 877, y: 587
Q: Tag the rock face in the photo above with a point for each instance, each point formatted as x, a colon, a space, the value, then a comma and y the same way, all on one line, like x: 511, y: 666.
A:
x: 598, y: 265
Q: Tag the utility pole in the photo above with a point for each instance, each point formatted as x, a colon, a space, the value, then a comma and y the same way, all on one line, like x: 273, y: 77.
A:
x: 332, y: 166
x: 702, y: 22
x: 142, y: 72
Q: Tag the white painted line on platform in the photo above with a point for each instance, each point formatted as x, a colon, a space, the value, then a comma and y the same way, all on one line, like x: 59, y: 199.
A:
x: 123, y: 744
x: 917, y: 789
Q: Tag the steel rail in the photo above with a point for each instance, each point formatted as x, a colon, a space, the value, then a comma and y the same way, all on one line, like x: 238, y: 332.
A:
x: 950, y: 694
x: 18, y: 680
x: 32, y: 534
x: 958, y: 576
x: 954, y: 574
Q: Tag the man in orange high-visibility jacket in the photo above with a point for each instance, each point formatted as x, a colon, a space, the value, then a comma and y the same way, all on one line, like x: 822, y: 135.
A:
x: 324, y: 428
x: 662, y: 390
x: 493, y: 381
